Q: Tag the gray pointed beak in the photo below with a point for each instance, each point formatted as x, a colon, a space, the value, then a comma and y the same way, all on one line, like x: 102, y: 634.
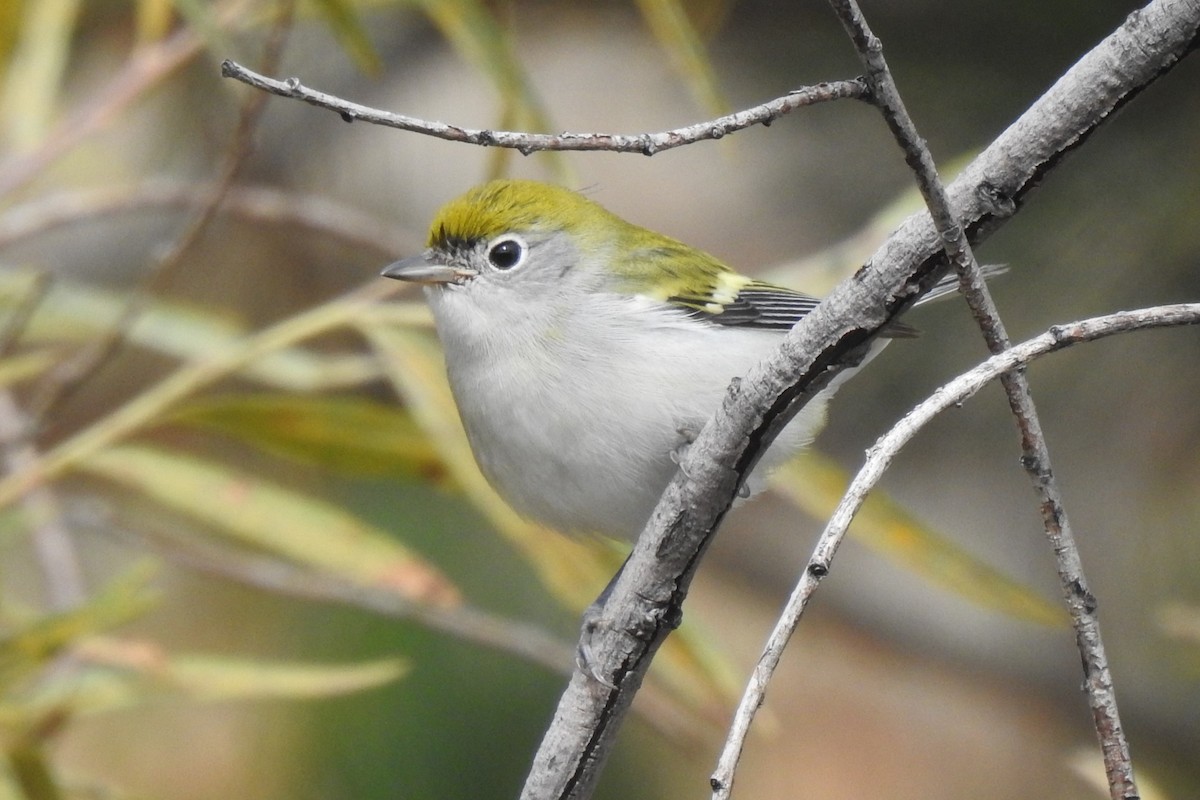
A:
x: 424, y: 269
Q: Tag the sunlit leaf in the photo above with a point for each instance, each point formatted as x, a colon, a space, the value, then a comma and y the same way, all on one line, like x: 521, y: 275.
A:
x: 23, y: 366
x: 201, y: 16
x: 30, y: 646
x: 34, y: 77
x: 479, y: 37
x: 352, y: 435
x: 11, y: 14
x: 669, y: 22
x: 347, y: 25
x: 82, y: 313
x: 153, y: 19
x: 815, y: 484
x: 274, y: 519
x: 113, y: 674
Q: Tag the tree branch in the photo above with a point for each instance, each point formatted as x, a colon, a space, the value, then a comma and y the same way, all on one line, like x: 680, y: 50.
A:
x: 881, y: 456
x: 1035, y: 451
x: 645, y: 601
x: 645, y: 143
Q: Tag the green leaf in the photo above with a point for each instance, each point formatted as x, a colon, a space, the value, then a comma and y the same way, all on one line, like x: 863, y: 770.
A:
x: 815, y: 484
x: 32, y: 645
x: 202, y: 17
x: 81, y: 313
x: 670, y: 24
x: 347, y: 25
x: 23, y: 366
x: 351, y: 435
x: 34, y: 78
x: 479, y: 37
x: 115, y: 674
x: 273, y: 519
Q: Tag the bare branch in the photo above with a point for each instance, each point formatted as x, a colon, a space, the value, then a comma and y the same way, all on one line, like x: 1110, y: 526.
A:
x: 880, y: 457
x: 1035, y: 451
x: 645, y: 143
x: 645, y: 601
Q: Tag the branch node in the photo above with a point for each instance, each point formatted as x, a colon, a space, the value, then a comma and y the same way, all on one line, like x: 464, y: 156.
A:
x: 998, y: 202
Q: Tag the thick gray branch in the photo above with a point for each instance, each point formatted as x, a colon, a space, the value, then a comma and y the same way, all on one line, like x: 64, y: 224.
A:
x: 645, y: 601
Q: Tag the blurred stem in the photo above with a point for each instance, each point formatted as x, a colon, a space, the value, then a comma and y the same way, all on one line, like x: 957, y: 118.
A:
x: 186, y: 380
x: 73, y: 373
x: 52, y: 543
x: 32, y: 772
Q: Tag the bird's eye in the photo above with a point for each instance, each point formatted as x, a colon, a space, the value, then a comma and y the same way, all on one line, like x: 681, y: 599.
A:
x: 507, y: 252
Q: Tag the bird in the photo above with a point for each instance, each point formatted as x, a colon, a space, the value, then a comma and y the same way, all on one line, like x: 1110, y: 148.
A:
x: 585, y: 352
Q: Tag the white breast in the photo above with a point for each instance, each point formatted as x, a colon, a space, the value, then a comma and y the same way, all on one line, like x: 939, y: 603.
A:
x: 573, y: 414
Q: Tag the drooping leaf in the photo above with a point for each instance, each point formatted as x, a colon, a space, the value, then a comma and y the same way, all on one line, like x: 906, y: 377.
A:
x: 670, y: 24
x: 480, y: 38
x: 74, y: 312
x: 815, y: 485
x: 202, y: 17
x: 274, y: 519
x: 114, y: 674
x: 343, y: 18
x: 23, y: 366
x: 34, y: 78
x: 28, y: 647
x: 352, y: 435
x: 153, y: 18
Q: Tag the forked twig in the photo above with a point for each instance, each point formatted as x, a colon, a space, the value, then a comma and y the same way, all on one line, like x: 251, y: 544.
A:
x: 880, y: 457
x: 645, y: 143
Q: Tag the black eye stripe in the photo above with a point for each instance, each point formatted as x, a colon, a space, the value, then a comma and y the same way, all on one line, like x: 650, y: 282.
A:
x: 506, y: 253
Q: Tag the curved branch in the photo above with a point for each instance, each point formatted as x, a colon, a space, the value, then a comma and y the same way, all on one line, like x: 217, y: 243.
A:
x: 645, y: 143
x: 645, y: 601
x: 880, y: 457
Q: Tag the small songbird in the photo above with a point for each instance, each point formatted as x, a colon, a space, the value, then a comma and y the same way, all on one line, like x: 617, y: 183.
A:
x: 585, y: 352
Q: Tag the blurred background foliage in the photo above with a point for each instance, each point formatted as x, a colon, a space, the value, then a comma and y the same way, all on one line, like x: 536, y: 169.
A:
x: 245, y: 551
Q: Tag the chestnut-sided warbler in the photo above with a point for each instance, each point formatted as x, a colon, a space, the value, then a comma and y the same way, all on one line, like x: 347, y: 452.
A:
x: 585, y: 352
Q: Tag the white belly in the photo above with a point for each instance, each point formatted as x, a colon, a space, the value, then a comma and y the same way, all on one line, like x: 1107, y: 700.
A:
x: 580, y: 436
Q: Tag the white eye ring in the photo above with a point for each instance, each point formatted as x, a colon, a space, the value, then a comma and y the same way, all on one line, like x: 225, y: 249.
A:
x: 507, y: 252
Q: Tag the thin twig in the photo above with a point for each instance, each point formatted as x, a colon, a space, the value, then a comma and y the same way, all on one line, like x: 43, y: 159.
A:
x: 1035, y: 451
x: 880, y: 457
x: 53, y: 547
x: 646, y: 600
x: 645, y: 143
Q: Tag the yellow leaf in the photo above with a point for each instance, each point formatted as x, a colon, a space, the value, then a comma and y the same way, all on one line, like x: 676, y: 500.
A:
x: 274, y: 519
x: 32, y: 645
x: 34, y: 77
x: 115, y: 674
x: 669, y: 22
x: 479, y: 37
x: 347, y: 25
x: 352, y: 435
x: 80, y: 313
x: 815, y: 484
